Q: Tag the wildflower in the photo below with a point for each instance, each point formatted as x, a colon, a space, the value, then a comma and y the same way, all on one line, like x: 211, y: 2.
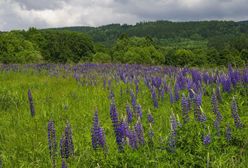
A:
x: 31, y: 103
x: 207, y: 139
x: 52, y: 141
x: 176, y: 92
x: 154, y: 98
x: 150, y: 118
x: 97, y: 134
x: 66, y: 143
x: 139, y: 111
x: 235, y: 114
x: 215, y: 107
x: 114, y: 116
x: 139, y: 132
x: 132, y: 136
x: 129, y: 114
x: 185, y: 109
x: 228, y: 133
x: 64, y: 164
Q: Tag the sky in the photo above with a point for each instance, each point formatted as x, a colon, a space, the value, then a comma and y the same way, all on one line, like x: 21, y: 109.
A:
x: 22, y: 14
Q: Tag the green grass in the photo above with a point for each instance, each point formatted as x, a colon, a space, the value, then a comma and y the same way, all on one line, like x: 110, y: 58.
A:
x: 23, y: 139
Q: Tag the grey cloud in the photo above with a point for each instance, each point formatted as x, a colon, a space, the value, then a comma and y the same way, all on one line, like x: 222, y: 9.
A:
x: 40, y: 4
x: 55, y: 13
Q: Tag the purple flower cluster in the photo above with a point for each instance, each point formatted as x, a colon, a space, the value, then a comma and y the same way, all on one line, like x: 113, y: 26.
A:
x: 199, y: 116
x: 31, y: 103
x: 63, y: 165
x: 139, y: 132
x: 207, y: 139
x: 185, y: 109
x: 176, y: 92
x: 172, y: 138
x: 119, y: 128
x: 52, y: 144
x: 66, y: 143
x: 138, y: 111
x: 215, y: 106
x: 228, y: 133
x: 150, y: 118
x: 235, y: 114
x: 97, y: 134
x: 133, y: 139
x: 129, y: 114
x: 154, y: 98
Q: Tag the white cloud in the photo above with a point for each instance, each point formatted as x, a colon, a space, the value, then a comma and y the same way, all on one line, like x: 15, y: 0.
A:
x: 21, y: 14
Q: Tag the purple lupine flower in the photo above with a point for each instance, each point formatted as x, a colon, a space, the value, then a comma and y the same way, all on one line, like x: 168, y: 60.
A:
x: 199, y: 99
x: 226, y: 83
x: 62, y: 147
x: 176, y: 92
x: 216, y: 111
x: 162, y: 93
x: 173, y: 134
x: 66, y: 143
x: 120, y: 136
x: 104, y: 84
x: 197, y: 109
x: 150, y: 136
x: 139, y: 132
x: 52, y: 141
x: 154, y: 98
x: 133, y: 139
x: 136, y: 86
x: 97, y: 134
x: 129, y: 114
x: 150, y: 118
x: 218, y: 94
x: 171, y: 97
x: 31, y: 103
x: 138, y: 111
x: 111, y: 95
x: 235, y: 114
x: 133, y: 99
x: 68, y: 135
x: 95, y: 131
x: 114, y: 116
x: 119, y: 128
x: 173, y: 122
x: 109, y: 84
x: 63, y: 164
x: 207, y: 139
x: 102, y: 138
x: 185, y: 109
x: 228, y: 133
x: 172, y: 142
x: 203, y: 117
x: 150, y: 132
x: 217, y: 126
x: 190, y: 89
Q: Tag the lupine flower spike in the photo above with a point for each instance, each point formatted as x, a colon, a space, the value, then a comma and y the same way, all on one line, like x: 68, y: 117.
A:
x: 52, y: 144
x: 31, y: 103
x: 235, y: 114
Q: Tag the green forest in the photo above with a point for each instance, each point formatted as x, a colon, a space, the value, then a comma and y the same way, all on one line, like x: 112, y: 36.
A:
x: 202, y: 43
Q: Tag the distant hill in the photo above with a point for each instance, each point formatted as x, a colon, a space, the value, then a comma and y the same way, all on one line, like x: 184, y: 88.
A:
x: 163, y: 30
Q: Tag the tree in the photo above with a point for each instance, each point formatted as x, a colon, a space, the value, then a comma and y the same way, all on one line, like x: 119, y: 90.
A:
x: 15, y: 49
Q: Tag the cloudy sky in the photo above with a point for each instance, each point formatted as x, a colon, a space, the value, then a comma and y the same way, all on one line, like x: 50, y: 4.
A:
x: 22, y: 14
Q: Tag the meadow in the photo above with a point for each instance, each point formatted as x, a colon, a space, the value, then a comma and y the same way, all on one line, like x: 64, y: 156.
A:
x: 120, y: 115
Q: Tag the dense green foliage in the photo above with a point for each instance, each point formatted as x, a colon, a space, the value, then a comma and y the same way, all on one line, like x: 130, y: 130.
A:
x: 50, y: 46
x: 205, y: 43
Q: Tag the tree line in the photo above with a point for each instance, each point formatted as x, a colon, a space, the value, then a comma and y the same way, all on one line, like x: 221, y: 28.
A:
x: 213, y: 43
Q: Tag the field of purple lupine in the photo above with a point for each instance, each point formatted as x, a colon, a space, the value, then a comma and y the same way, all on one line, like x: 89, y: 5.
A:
x: 116, y: 115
